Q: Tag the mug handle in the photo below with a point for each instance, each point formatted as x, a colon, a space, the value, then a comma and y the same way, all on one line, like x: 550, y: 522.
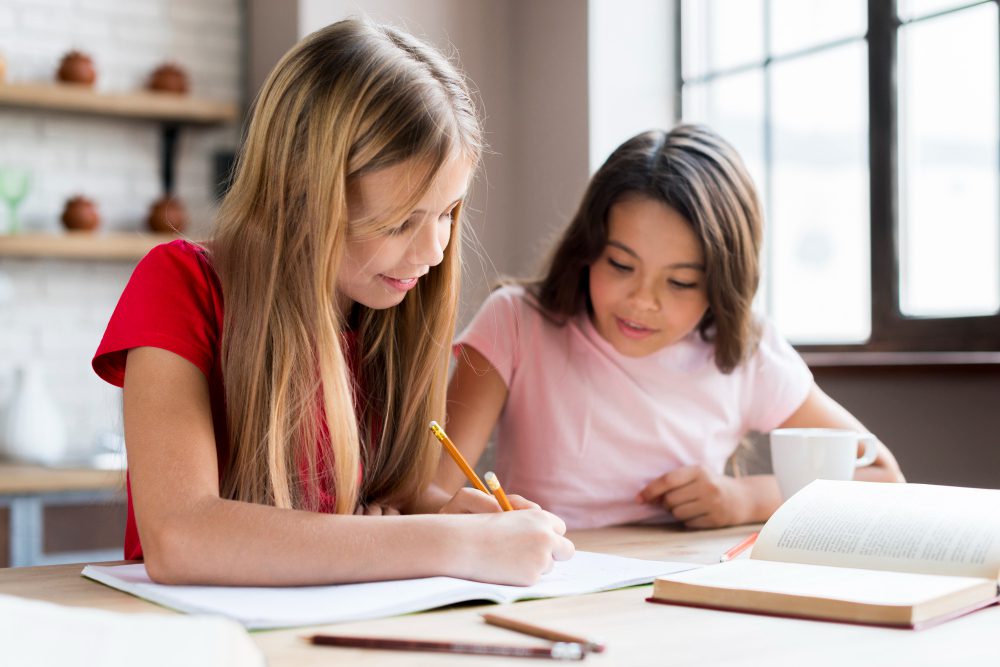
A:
x: 871, y: 450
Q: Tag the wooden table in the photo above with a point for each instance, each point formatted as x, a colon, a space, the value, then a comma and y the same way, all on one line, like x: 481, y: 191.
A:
x: 82, y: 501
x: 636, y: 632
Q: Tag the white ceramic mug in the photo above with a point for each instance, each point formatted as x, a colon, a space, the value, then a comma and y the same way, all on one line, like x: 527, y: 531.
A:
x: 800, y: 455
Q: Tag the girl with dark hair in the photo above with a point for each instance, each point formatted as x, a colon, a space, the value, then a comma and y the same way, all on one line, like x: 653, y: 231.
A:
x: 623, y: 379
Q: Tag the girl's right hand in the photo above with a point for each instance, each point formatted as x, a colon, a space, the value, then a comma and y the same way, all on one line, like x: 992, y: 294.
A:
x: 514, y: 548
x: 468, y: 500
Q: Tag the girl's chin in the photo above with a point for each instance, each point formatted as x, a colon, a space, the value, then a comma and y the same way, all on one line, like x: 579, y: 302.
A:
x: 386, y: 300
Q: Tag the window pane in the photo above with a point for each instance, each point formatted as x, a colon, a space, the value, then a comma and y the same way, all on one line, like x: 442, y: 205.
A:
x: 720, y: 34
x: 911, y: 9
x: 733, y: 106
x: 820, y: 207
x: 797, y: 25
x: 948, y: 115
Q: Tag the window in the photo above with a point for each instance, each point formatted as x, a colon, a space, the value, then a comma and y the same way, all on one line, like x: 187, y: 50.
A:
x: 872, y: 130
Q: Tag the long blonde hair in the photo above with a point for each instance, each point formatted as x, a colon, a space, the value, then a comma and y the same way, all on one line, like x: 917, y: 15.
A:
x: 347, y: 100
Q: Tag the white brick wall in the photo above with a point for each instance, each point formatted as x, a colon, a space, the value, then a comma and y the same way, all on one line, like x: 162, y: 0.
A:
x: 56, y: 311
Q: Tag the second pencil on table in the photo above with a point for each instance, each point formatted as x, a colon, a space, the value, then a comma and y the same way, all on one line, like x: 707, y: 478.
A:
x: 494, y: 484
x: 589, y: 645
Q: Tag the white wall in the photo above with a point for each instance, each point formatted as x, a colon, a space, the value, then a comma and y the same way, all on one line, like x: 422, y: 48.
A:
x: 56, y: 311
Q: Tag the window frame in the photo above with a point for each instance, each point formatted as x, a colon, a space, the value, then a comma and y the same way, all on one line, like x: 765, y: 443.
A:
x: 891, y: 330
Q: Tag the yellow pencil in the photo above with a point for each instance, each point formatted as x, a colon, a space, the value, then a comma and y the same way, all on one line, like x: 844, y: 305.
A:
x: 494, y: 484
x: 458, y: 458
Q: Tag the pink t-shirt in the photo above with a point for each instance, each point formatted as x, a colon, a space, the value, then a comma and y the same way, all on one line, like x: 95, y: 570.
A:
x: 585, y: 428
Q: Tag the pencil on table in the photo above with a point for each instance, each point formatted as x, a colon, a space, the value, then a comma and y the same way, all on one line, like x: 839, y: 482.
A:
x: 494, y: 484
x: 559, y: 651
x: 544, y: 633
x: 456, y: 455
x: 739, y: 548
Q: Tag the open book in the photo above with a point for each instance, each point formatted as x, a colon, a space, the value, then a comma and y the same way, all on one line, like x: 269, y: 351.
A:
x: 259, y: 608
x: 906, y: 555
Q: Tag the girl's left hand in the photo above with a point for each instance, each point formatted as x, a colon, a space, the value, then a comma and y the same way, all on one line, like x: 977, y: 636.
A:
x: 473, y: 501
x: 700, y: 498
x: 375, y: 510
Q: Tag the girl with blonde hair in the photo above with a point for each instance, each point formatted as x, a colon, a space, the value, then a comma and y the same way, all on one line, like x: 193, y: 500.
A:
x: 279, y: 379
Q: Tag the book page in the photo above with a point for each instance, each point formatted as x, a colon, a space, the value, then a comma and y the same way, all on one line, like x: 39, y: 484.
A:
x: 902, y: 527
x: 276, y: 607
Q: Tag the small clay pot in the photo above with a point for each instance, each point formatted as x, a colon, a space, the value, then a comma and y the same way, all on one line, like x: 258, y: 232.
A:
x: 80, y: 215
x: 167, y: 216
x: 169, y: 78
x: 77, y: 67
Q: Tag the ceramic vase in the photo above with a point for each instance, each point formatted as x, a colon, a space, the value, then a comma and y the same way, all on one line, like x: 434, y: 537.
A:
x: 34, y: 430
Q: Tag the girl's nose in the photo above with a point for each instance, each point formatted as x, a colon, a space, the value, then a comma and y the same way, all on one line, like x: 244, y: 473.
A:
x: 429, y: 243
x: 644, y: 297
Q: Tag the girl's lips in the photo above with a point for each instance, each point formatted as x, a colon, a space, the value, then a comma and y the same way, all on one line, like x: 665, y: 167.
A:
x: 400, y: 284
x: 633, y: 330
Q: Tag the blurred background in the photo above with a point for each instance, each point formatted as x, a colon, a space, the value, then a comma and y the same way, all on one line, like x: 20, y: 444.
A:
x: 870, y: 127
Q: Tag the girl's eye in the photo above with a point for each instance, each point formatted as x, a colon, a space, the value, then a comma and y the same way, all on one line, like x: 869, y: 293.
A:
x: 400, y: 229
x: 682, y: 285
x: 618, y: 266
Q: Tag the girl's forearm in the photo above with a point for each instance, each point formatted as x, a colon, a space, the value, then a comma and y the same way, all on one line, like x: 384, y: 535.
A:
x: 233, y: 543
x: 883, y: 470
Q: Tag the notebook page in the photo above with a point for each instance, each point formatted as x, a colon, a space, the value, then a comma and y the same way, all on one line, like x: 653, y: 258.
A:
x: 262, y: 607
x: 590, y: 572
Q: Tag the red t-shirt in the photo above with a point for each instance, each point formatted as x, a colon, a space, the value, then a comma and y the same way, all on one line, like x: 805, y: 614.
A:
x: 173, y: 301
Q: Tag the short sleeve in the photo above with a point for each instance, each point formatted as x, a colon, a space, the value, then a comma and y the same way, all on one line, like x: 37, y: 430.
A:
x: 495, y: 331
x: 170, y: 302
x: 778, y: 382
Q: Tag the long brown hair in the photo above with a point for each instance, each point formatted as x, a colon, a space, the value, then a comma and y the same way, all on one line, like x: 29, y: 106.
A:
x: 695, y: 172
x: 350, y: 99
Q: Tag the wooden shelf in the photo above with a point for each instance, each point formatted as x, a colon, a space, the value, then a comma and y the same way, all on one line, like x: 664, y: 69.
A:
x: 146, y: 105
x: 20, y: 479
x: 119, y: 246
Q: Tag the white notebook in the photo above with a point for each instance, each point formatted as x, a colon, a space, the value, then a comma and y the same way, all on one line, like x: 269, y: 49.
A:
x: 262, y: 607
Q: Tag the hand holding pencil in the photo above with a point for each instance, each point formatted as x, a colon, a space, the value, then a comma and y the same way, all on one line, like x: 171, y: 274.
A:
x: 468, y: 500
x: 521, y: 545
